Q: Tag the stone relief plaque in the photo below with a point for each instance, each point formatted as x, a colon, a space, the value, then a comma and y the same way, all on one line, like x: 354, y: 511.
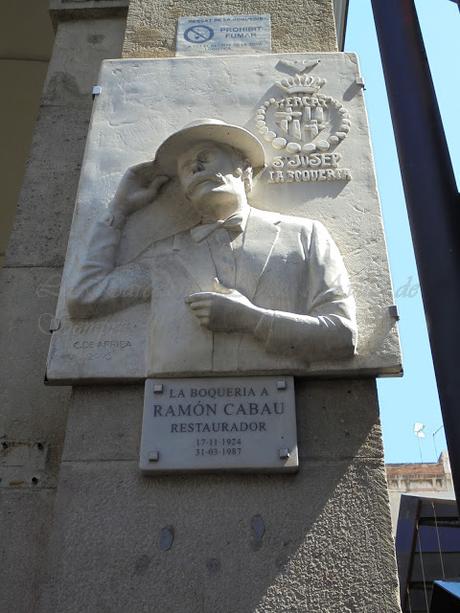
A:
x: 227, y: 223
x: 209, y: 424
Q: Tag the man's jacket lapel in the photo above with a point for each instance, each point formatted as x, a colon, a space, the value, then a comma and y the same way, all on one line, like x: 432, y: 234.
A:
x: 196, y: 259
x: 260, y: 236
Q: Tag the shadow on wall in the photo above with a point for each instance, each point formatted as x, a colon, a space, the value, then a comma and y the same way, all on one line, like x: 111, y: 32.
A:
x: 25, y: 48
x: 225, y: 543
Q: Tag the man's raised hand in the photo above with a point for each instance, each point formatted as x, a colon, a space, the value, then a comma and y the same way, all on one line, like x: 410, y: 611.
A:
x: 138, y: 187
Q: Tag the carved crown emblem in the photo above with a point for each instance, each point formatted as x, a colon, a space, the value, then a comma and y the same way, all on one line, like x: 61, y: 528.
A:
x: 301, y: 84
x: 303, y: 120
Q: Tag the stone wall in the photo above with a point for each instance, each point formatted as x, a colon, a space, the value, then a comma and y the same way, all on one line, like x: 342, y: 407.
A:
x: 32, y: 416
x: 302, y: 25
x: 316, y: 541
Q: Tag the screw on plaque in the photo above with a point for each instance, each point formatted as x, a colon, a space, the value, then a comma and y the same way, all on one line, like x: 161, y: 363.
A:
x: 158, y: 388
x: 281, y: 384
x: 154, y: 456
x: 166, y: 538
x: 285, y: 454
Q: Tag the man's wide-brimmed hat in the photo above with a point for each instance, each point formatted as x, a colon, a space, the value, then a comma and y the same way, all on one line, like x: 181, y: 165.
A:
x: 212, y: 130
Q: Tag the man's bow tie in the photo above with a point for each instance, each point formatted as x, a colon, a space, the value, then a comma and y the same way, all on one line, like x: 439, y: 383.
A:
x: 233, y: 223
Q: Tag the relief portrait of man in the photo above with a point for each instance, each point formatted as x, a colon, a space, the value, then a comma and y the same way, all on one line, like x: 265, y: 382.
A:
x: 244, y: 291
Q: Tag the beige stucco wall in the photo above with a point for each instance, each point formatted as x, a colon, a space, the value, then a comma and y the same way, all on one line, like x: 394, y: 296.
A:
x: 33, y: 416
x: 25, y: 49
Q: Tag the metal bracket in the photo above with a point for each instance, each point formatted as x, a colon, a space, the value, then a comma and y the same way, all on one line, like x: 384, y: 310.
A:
x: 96, y: 91
x: 393, y: 310
x: 55, y: 324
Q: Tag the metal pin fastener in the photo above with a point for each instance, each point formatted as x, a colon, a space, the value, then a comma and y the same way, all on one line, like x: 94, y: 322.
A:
x: 158, y: 388
x: 281, y: 384
x: 97, y: 89
x: 360, y: 81
x: 154, y: 456
x: 393, y: 310
x: 284, y: 453
x: 55, y: 324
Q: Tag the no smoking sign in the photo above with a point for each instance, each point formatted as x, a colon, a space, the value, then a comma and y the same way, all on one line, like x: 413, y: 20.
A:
x: 223, y: 34
x: 198, y: 34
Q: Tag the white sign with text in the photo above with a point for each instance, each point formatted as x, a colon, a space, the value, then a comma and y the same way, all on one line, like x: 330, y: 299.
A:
x: 223, y: 34
x: 213, y: 424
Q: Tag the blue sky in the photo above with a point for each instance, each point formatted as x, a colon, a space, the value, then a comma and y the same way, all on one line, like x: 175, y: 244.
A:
x: 413, y: 398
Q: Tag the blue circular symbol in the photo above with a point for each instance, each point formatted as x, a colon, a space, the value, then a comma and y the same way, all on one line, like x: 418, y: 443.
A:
x: 198, y: 34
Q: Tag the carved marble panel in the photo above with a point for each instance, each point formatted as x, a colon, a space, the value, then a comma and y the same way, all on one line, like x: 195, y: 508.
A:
x: 205, y: 261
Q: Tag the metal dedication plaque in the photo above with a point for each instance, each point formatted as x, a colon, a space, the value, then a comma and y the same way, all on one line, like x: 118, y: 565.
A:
x: 214, y: 424
x: 223, y: 34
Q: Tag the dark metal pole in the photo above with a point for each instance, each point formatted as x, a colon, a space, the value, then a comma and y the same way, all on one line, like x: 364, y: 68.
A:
x: 432, y: 199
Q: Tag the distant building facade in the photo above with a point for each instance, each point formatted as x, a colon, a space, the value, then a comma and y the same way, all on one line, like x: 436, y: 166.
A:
x: 426, y: 480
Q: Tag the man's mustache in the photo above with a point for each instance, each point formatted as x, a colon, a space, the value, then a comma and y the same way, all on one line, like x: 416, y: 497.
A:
x: 218, y: 179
